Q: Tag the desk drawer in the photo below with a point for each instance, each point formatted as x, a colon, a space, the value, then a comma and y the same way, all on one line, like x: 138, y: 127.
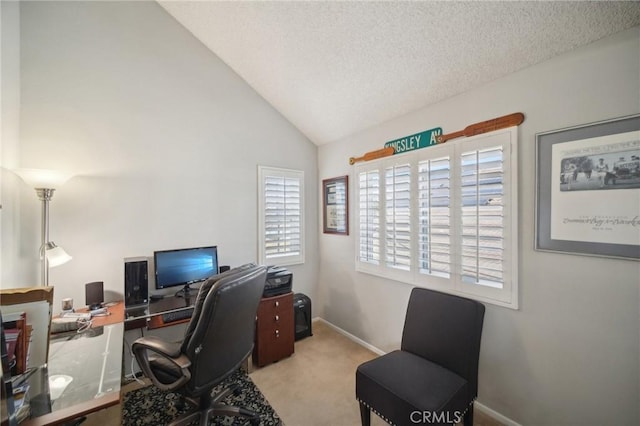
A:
x: 274, y: 314
x: 274, y: 329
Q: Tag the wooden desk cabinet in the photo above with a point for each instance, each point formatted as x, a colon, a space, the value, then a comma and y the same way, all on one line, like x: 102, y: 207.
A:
x: 274, y: 329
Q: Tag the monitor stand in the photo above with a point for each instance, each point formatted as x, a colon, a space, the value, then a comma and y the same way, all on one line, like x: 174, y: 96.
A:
x: 184, y: 292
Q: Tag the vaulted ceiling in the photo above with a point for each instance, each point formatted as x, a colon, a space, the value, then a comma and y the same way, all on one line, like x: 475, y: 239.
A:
x: 336, y: 68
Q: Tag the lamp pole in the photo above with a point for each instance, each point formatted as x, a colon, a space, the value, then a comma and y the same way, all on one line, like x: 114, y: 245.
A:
x: 45, y: 182
x: 45, y: 194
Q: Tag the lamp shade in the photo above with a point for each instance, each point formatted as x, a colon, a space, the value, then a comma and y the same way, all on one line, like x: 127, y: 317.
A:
x: 57, y: 384
x: 43, y: 178
x: 56, y: 256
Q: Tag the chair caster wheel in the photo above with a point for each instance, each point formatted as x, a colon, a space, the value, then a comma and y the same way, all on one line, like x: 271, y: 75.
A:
x: 179, y: 404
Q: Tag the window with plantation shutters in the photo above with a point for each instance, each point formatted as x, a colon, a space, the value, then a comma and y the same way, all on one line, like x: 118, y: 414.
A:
x: 281, y: 204
x: 444, y: 217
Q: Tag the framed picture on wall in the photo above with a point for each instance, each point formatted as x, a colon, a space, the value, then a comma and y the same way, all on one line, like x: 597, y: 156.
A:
x: 335, y: 204
x: 588, y: 189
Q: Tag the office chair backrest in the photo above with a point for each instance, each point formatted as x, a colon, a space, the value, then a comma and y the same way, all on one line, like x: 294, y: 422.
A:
x: 445, y: 329
x: 202, y: 294
x: 224, y: 332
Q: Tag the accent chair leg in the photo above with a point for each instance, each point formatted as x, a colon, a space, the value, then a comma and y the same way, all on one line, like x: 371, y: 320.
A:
x: 468, y: 416
x: 365, y: 415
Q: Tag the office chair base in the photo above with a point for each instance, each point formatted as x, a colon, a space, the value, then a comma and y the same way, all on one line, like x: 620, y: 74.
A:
x: 210, y: 406
x: 216, y: 410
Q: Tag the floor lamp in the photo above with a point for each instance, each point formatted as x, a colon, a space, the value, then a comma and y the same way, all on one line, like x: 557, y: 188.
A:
x: 45, y: 183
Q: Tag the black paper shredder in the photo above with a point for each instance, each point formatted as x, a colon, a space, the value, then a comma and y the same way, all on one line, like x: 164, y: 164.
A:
x: 302, y: 312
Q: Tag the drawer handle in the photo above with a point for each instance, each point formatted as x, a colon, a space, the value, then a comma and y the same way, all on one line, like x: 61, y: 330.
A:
x: 277, y: 318
x: 277, y: 333
x: 277, y: 303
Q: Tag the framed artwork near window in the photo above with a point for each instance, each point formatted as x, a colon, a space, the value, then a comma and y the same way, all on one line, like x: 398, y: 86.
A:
x: 335, y: 205
x: 588, y: 189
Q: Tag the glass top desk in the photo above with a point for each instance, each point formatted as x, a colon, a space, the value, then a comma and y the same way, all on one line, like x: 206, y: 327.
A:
x: 82, y: 376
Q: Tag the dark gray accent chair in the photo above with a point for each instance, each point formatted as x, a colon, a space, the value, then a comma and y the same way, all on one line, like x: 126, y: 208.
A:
x: 218, y: 339
x: 433, y: 378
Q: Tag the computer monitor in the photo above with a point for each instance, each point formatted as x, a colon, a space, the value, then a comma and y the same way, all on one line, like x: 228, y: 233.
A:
x: 183, y: 267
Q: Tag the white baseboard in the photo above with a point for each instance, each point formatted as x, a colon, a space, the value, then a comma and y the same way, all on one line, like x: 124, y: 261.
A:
x: 351, y: 336
x: 477, y: 405
x: 494, y: 414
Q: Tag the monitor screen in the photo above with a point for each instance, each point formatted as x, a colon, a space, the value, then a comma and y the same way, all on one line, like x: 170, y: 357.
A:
x: 185, y: 266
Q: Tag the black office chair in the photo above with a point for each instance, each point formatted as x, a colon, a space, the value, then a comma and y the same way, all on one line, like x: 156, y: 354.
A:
x: 218, y: 339
x: 433, y: 378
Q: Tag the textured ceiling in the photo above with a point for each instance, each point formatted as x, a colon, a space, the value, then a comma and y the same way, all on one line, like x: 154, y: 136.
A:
x: 335, y: 68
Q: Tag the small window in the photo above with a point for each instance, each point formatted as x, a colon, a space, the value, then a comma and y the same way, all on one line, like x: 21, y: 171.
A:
x: 281, y: 216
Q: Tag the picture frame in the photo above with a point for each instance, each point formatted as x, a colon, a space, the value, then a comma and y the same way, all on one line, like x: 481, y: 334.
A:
x: 335, y: 205
x: 588, y: 189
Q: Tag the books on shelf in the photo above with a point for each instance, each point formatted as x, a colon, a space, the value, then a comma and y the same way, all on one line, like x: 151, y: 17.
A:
x: 21, y: 402
x: 18, y: 338
x: 20, y: 396
x: 11, y: 337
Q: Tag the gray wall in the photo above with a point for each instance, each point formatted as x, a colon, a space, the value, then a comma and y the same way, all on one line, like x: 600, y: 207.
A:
x: 10, y: 265
x: 165, y: 140
x: 570, y: 354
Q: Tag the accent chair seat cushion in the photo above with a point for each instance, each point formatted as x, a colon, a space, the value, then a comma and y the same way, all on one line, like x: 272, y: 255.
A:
x: 406, y: 389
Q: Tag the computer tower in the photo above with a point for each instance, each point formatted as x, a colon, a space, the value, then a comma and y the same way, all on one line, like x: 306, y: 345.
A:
x: 302, y: 313
x: 136, y: 281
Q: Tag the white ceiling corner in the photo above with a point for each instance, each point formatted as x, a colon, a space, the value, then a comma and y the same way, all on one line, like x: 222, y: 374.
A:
x: 336, y: 68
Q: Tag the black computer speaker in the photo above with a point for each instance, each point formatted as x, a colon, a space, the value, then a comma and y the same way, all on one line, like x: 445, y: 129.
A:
x: 136, y: 281
x: 94, y: 294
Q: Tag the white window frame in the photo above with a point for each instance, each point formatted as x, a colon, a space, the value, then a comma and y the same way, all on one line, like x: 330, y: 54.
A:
x: 506, y: 296
x: 265, y: 172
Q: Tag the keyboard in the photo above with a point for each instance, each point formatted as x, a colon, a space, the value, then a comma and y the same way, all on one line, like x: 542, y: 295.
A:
x: 76, y: 315
x: 177, y: 315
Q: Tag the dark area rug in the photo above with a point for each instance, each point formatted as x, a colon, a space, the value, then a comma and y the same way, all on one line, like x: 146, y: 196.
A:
x: 149, y: 406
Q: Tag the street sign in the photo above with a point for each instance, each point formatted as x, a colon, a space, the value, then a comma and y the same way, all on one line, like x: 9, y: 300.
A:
x: 413, y: 142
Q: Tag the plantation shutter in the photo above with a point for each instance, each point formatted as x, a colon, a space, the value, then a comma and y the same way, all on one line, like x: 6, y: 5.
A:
x: 398, y: 216
x: 482, y: 178
x: 369, y: 216
x: 434, y: 216
x: 282, y: 218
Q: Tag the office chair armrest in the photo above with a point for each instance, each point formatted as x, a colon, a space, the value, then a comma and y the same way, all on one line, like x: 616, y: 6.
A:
x: 167, y: 351
x: 152, y: 343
